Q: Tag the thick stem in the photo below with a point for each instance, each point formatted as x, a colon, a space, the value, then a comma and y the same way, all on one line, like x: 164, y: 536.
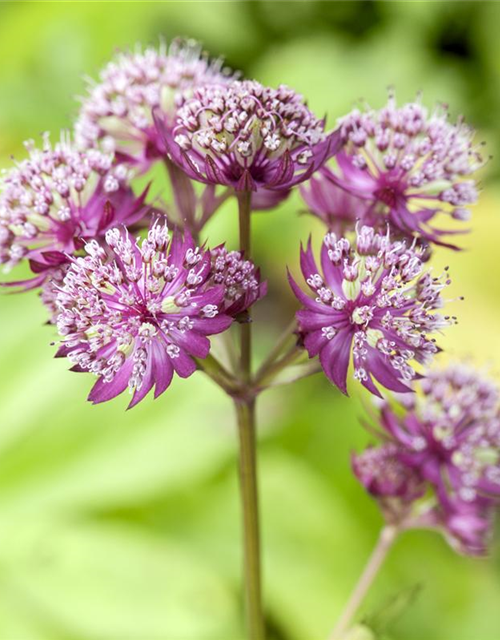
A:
x: 386, y: 539
x: 245, y: 212
x: 245, y: 411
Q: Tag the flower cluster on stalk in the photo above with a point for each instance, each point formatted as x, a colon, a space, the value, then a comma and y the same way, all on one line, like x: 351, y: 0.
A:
x: 444, y: 442
x: 58, y: 198
x: 137, y: 313
x: 117, y: 110
x: 247, y: 136
x: 373, y: 302
x: 408, y: 165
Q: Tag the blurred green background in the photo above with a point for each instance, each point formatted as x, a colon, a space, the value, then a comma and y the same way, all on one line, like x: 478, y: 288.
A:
x: 125, y: 526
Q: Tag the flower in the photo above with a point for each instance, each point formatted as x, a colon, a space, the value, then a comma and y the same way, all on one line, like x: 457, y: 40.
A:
x: 373, y: 299
x: 117, y: 109
x: 384, y: 475
x: 409, y: 165
x: 451, y: 434
x: 140, y: 312
x: 337, y: 208
x: 240, y: 279
x: 58, y: 198
x: 247, y: 136
x: 442, y: 442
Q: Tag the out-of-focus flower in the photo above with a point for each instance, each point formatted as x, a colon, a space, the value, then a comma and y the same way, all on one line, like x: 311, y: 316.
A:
x: 373, y: 300
x: 117, y: 110
x: 409, y: 165
x: 240, y: 279
x: 468, y: 528
x: 451, y: 434
x: 383, y: 475
x: 139, y: 312
x: 58, y: 198
x: 446, y: 439
x: 247, y: 136
x: 336, y: 207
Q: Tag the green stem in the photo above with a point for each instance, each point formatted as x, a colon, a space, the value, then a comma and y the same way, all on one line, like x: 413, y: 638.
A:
x: 386, y: 539
x: 275, y: 352
x: 245, y: 212
x: 245, y: 411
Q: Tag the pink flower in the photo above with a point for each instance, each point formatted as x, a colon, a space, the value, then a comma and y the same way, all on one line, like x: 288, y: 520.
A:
x: 139, y: 312
x: 439, y: 462
x: 117, y: 110
x: 409, y: 165
x: 373, y: 301
x: 246, y: 136
x: 56, y: 200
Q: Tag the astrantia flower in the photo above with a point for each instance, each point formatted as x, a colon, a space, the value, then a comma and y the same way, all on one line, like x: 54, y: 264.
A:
x: 135, y: 316
x: 383, y: 475
x: 444, y: 439
x: 451, y: 434
x: 336, y: 207
x: 240, y: 279
x: 247, y: 136
x: 409, y: 165
x: 117, y: 109
x: 58, y: 198
x: 373, y: 300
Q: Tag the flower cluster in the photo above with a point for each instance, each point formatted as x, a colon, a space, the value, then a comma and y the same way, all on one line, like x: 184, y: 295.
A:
x: 374, y: 300
x: 240, y: 279
x: 246, y: 136
x: 58, y: 198
x: 139, y: 312
x: 408, y: 165
x: 118, y: 109
x: 445, y: 439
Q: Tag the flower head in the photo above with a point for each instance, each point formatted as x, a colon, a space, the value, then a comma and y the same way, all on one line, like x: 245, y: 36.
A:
x: 118, y: 109
x: 450, y: 433
x: 409, y: 165
x: 446, y: 439
x: 247, y: 136
x: 240, y: 279
x: 138, y: 313
x: 57, y: 199
x: 373, y: 300
x: 384, y: 476
x: 336, y: 207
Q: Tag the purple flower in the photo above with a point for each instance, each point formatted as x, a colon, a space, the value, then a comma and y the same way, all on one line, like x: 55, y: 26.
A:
x: 57, y: 199
x: 444, y: 439
x: 468, y: 528
x: 373, y: 300
x: 384, y: 475
x: 118, y: 109
x: 247, y: 136
x: 140, y: 312
x: 451, y: 434
x: 240, y: 279
x: 409, y: 165
x: 336, y: 207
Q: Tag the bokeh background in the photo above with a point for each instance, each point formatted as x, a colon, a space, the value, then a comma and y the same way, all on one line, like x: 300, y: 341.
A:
x: 122, y: 525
